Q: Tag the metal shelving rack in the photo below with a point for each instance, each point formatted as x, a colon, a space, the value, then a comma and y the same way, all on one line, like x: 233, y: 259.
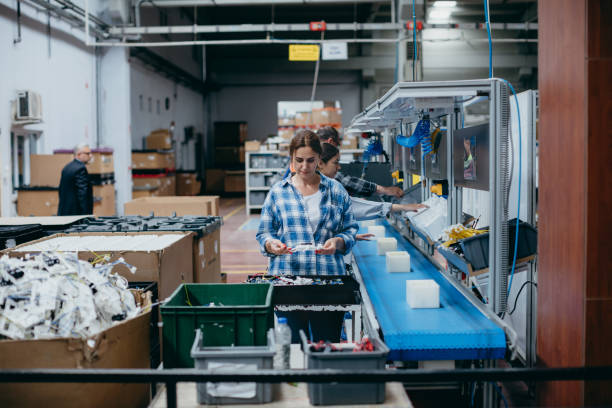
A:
x: 249, y: 170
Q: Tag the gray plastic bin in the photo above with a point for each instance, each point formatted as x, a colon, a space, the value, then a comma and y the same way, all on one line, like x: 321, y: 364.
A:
x: 346, y: 393
x: 260, y: 356
x: 257, y: 180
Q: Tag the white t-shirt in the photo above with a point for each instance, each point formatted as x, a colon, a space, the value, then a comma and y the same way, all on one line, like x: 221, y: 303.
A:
x: 313, y: 209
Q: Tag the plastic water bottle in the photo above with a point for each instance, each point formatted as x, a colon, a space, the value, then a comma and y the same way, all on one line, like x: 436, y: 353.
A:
x: 282, y: 338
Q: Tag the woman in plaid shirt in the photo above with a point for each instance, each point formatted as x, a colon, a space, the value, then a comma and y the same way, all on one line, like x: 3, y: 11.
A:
x: 307, y: 223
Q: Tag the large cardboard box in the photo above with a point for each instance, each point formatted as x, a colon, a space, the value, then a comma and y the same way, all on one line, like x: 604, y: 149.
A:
x: 349, y: 143
x: 303, y: 119
x: 252, y: 145
x: 37, y: 202
x: 147, y: 182
x: 286, y: 121
x: 46, y: 169
x: 215, y: 179
x: 125, y: 345
x: 169, y: 267
x: 152, y: 160
x: 326, y: 116
x: 159, y: 139
x: 104, y: 200
x: 166, y: 206
x: 187, y: 184
x: 207, y: 258
x: 234, y: 181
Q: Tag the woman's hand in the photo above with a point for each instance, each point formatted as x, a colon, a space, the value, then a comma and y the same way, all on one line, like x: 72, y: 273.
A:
x: 364, y: 237
x: 331, y: 246
x: 276, y: 247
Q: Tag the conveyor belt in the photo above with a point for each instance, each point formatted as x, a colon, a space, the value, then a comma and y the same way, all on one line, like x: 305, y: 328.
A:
x: 455, y: 331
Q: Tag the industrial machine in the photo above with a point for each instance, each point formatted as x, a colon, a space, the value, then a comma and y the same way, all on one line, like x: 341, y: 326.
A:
x: 485, y: 164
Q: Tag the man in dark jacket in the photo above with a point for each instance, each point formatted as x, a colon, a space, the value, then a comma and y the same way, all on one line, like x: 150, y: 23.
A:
x: 75, y: 191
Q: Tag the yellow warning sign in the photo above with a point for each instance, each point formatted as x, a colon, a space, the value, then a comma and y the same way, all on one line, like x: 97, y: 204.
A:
x: 303, y: 52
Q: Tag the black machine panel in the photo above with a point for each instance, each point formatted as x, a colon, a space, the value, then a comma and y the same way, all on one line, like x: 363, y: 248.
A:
x: 379, y: 173
x: 436, y: 162
x: 471, y: 157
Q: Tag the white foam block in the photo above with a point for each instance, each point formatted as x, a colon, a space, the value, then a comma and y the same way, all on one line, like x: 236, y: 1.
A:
x: 398, y: 261
x: 385, y: 245
x: 377, y: 230
x: 423, y: 294
x: 368, y: 223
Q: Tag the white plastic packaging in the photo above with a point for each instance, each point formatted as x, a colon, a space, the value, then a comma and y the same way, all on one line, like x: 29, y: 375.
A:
x: 398, y: 261
x: 384, y: 245
x: 282, y: 340
x: 423, y: 294
x: 377, y: 230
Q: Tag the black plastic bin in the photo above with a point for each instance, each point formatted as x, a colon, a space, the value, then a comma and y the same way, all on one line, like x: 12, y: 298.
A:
x: 327, y: 290
x: 346, y: 393
x: 476, y: 248
x: 13, y: 235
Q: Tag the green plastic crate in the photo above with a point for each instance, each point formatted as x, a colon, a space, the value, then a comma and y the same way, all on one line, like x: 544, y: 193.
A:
x: 241, y: 316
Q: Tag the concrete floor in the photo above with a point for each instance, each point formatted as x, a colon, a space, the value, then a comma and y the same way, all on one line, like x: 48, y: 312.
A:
x: 240, y: 254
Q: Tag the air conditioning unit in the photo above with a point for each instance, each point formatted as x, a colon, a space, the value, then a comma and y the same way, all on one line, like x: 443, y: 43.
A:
x: 29, y: 106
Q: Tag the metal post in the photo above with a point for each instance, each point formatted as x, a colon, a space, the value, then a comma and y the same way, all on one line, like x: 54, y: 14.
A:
x: 493, y: 198
x: 451, y: 203
x: 171, y: 394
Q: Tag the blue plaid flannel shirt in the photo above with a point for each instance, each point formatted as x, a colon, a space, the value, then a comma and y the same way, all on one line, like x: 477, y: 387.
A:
x: 284, y: 217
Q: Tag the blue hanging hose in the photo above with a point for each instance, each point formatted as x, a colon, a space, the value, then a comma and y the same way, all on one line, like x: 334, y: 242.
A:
x: 500, y: 394
x: 374, y: 148
x: 486, y: 5
x: 421, y: 131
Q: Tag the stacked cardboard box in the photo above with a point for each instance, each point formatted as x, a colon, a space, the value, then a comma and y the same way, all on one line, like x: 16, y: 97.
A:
x: 41, y: 196
x: 229, y: 139
x: 329, y: 115
x: 153, y: 173
x: 187, y: 183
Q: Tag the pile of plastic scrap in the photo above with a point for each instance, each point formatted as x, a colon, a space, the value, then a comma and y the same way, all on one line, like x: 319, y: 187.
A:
x: 54, y: 294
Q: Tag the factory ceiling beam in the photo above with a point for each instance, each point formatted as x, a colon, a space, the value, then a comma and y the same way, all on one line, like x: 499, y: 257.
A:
x: 244, y: 28
x: 215, y: 3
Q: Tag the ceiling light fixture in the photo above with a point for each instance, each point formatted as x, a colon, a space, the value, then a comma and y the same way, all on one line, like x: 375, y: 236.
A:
x: 445, y: 4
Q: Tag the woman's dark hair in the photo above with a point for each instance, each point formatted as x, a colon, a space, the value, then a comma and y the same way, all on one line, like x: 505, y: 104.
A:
x: 305, y: 138
x: 328, y: 152
x: 328, y: 132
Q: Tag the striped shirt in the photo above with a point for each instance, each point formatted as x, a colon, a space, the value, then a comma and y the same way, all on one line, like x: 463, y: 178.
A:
x: 284, y: 217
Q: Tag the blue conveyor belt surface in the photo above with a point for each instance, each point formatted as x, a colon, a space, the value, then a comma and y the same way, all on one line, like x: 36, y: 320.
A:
x: 455, y: 331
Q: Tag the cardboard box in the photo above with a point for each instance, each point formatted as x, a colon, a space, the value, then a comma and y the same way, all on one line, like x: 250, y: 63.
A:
x: 169, y: 267
x: 37, y: 202
x: 241, y: 154
x: 166, y: 206
x: 234, y: 181
x: 326, y: 116
x: 215, y: 180
x: 147, y: 183
x: 228, y: 156
x: 207, y: 258
x: 125, y: 345
x: 230, y: 133
x: 104, y: 200
x: 152, y: 160
x: 349, y: 143
x: 187, y: 184
x: 144, y: 193
x: 160, y: 139
x: 286, y: 121
x: 303, y: 118
x: 252, y: 145
x: 286, y: 133
x: 46, y: 169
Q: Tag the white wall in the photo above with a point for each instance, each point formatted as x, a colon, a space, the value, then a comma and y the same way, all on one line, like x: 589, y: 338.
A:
x: 65, y: 79
x: 186, y: 109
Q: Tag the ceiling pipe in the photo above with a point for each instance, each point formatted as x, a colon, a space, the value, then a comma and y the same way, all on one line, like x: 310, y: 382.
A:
x: 214, y: 3
x: 68, y: 15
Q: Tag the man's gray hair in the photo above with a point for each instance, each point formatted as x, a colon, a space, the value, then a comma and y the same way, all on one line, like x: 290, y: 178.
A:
x: 79, y: 147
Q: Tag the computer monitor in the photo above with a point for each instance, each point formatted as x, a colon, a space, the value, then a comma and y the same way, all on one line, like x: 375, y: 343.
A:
x: 471, y: 157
